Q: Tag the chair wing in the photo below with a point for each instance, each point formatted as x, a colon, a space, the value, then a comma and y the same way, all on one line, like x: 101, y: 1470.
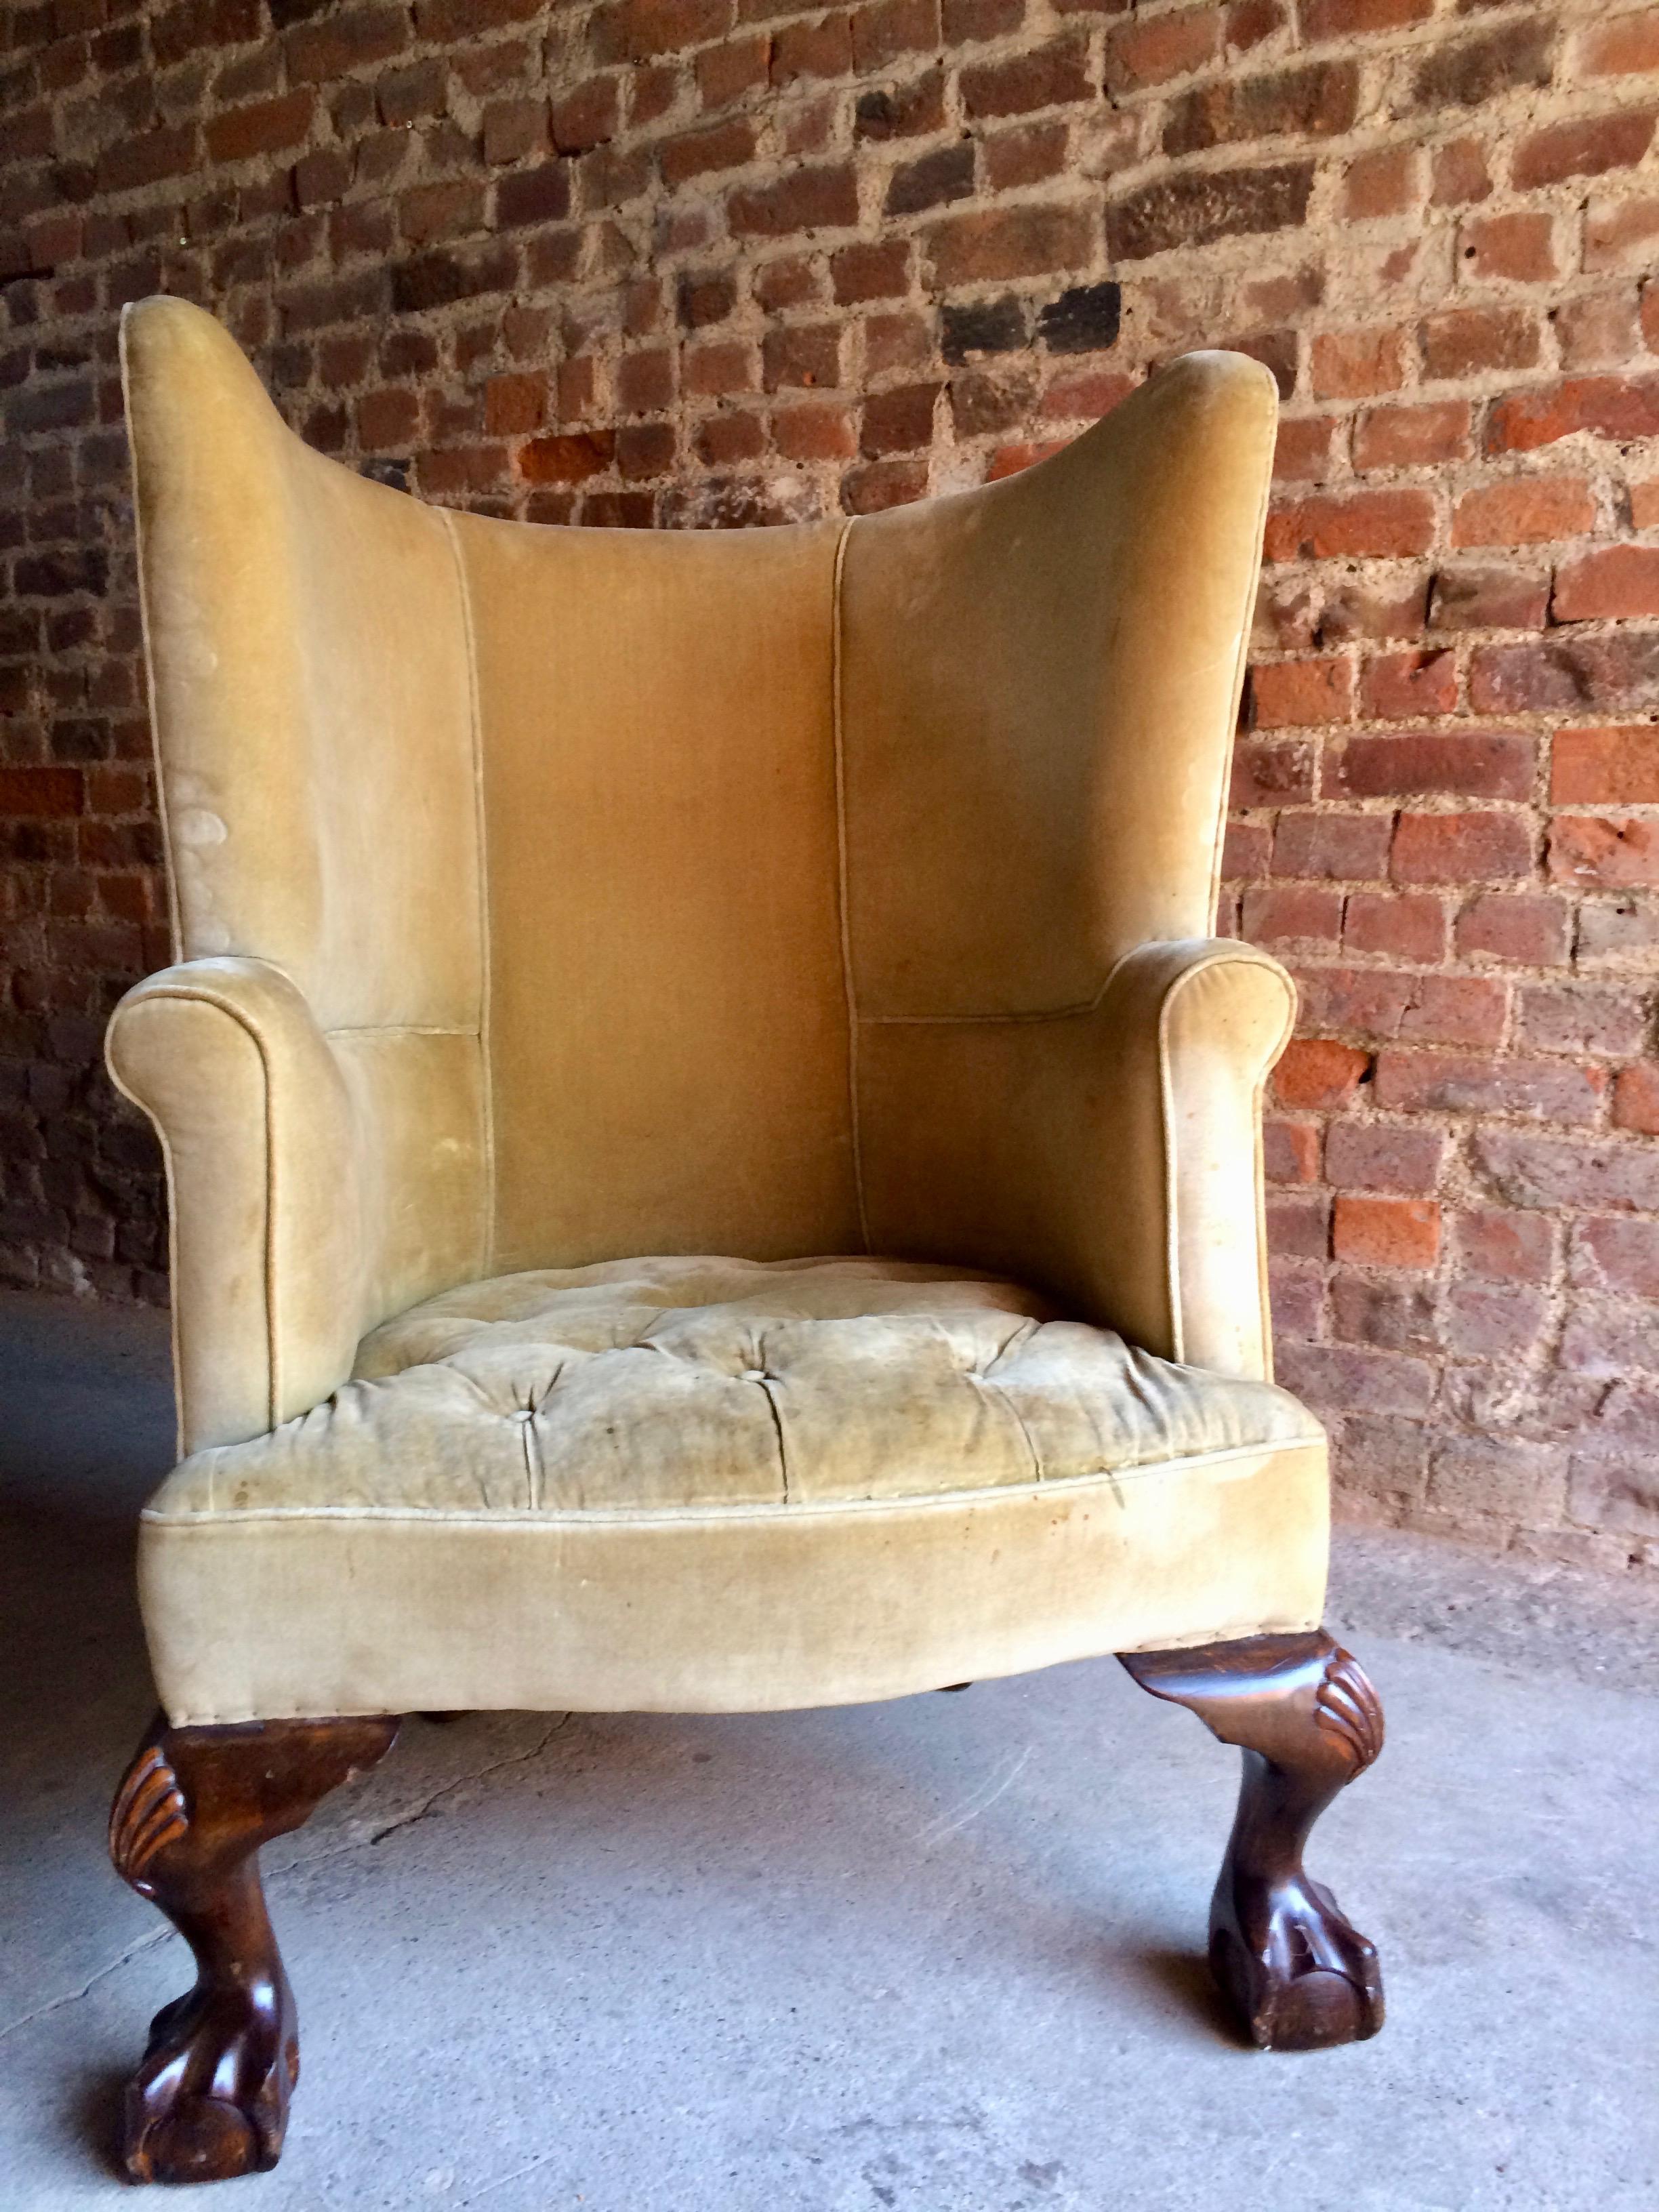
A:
x: 1059, y: 1070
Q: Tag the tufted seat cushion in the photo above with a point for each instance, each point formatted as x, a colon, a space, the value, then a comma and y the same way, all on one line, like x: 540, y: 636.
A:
x: 708, y: 1405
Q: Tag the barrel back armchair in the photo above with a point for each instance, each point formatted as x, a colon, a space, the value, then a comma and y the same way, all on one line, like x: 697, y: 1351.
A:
x: 713, y: 1153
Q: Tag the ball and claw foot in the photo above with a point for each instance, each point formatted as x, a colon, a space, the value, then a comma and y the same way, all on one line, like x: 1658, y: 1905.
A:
x: 1298, y: 1975
x: 209, y: 2101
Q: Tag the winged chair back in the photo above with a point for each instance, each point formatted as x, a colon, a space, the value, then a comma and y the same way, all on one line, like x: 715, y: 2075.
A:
x: 751, y: 893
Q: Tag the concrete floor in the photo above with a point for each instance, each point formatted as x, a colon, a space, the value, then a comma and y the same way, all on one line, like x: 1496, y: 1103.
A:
x: 942, y: 1955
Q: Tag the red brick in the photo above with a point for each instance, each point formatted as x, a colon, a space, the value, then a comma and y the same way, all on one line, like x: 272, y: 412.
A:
x: 1349, y: 847
x: 1358, y: 364
x: 1467, y: 597
x: 879, y: 485
x: 814, y: 46
x: 1466, y: 1009
x: 1290, y: 1150
x: 1597, y: 767
x: 899, y: 421
x: 1598, y: 328
x: 1465, y: 341
x: 1382, y: 1156
x: 1404, y: 925
x: 1298, y: 1226
x: 1459, y: 173
x: 871, y: 271
x: 1051, y: 75
x: 1607, y: 852
x: 1459, y: 848
x: 1272, y: 772
x: 567, y: 459
x: 889, y: 29
x: 994, y: 243
x: 1413, y: 1082
x: 719, y: 146
x: 1644, y: 504
x: 1397, y: 687
x: 1354, y: 524
x: 1548, y: 1172
x: 663, y: 27
x: 1584, y: 1019
x: 516, y: 403
x: 1287, y: 693
x: 1588, y: 146
x: 1295, y: 914
x: 265, y: 126
x: 1567, y: 672
x: 806, y: 199
x: 1607, y: 406
x: 1629, y: 45
x: 1529, y: 929
x: 37, y: 793
x: 1466, y: 764
x: 1610, y: 1254
x: 1621, y: 234
x: 1482, y: 1321
x: 1412, y: 437
x: 1029, y: 156
x: 1302, y: 450
x: 1611, y: 584
x: 1386, y: 1232
x: 645, y: 382
x: 1399, y: 1316
x: 1518, y: 247
x: 803, y: 355
x: 1141, y: 51
x: 1383, y: 181
x: 1318, y: 1072
x: 725, y: 73
x: 816, y: 431
x: 1523, y: 510
x: 1191, y: 208
x: 1503, y: 1247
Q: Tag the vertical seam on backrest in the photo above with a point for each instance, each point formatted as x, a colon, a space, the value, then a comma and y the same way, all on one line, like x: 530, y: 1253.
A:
x: 485, y: 1071
x: 1245, y: 617
x: 847, y: 984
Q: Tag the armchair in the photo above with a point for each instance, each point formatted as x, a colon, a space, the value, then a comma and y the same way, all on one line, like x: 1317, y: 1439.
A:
x: 714, y: 1157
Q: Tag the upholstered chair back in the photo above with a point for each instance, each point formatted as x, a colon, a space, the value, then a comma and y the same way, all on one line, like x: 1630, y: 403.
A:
x: 750, y: 893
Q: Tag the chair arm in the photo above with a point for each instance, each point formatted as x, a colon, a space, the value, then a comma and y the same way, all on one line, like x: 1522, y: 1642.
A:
x: 1193, y: 1030
x: 257, y: 1128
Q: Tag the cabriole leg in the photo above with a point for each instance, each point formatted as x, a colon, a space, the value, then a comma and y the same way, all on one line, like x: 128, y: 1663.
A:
x: 1308, y: 1722
x: 210, y: 2099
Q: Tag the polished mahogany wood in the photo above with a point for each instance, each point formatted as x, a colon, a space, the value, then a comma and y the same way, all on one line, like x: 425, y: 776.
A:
x: 1308, y: 1722
x: 210, y: 2099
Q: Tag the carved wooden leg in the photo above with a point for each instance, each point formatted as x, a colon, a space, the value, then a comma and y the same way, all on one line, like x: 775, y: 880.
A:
x: 210, y: 2099
x: 1309, y: 1722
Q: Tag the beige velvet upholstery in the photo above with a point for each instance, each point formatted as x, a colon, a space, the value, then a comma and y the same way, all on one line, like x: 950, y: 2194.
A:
x: 555, y: 909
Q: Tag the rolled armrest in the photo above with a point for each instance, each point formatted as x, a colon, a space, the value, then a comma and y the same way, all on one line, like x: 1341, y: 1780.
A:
x: 227, y: 1058
x: 1193, y: 1030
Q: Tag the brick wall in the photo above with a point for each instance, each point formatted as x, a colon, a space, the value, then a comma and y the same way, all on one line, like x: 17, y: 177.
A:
x: 700, y: 262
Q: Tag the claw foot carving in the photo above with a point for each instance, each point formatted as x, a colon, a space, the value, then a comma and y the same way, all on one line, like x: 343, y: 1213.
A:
x: 1308, y: 1722
x: 209, y: 2101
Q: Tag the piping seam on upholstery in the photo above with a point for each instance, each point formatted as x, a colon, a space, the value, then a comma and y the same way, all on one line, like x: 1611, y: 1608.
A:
x: 486, y: 1072
x: 813, y: 1509
x: 402, y: 1029
x: 847, y: 984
